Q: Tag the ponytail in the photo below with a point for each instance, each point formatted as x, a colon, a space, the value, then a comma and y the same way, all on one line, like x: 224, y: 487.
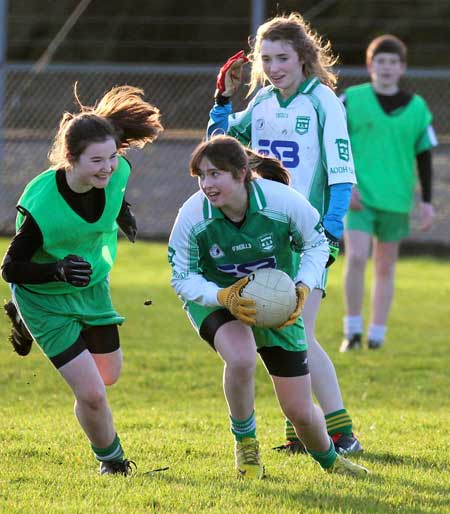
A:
x: 122, y: 114
x: 268, y: 167
x: 135, y: 121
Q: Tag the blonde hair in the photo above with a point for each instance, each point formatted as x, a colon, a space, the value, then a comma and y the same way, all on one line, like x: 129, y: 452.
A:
x: 312, y: 50
x: 122, y: 114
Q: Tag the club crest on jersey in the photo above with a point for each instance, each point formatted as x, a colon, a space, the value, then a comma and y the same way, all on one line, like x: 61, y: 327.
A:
x: 260, y: 123
x: 171, y: 256
x: 302, y: 124
x: 319, y: 228
x: 266, y: 242
x: 343, y: 149
x: 216, y: 252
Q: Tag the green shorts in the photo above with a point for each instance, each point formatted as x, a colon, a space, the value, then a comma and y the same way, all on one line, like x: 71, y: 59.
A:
x: 291, y: 339
x: 55, y: 321
x: 386, y: 226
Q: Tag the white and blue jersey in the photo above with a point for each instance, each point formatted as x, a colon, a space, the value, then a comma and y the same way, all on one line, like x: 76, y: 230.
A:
x: 308, y: 134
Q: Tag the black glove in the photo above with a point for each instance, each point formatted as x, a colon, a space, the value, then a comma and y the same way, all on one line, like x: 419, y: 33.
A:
x: 333, y: 243
x: 73, y: 270
x: 127, y: 222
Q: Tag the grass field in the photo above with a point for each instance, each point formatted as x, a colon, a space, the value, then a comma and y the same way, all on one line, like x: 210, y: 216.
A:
x: 170, y: 411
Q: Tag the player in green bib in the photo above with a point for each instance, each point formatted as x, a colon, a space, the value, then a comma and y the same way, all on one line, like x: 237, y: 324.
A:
x: 237, y: 223
x: 390, y: 131
x: 297, y: 118
x: 59, y: 261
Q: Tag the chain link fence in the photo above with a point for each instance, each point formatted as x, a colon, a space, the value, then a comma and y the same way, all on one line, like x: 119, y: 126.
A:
x: 34, y: 102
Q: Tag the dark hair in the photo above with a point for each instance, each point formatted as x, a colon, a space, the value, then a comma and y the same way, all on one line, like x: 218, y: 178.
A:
x: 386, y: 44
x: 122, y: 114
x: 310, y: 47
x: 227, y: 154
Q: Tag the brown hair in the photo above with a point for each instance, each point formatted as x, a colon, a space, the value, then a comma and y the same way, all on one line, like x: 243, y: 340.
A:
x: 227, y: 154
x: 122, y: 114
x: 386, y: 44
x: 310, y: 47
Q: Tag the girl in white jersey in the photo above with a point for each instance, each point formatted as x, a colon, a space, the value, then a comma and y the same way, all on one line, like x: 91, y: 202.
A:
x: 237, y: 223
x: 298, y: 119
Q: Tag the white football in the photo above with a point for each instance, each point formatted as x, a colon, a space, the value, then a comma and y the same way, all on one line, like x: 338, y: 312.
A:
x: 274, y: 293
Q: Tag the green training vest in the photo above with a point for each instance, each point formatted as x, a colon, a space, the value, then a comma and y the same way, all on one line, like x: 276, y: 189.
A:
x: 64, y: 232
x: 385, y: 146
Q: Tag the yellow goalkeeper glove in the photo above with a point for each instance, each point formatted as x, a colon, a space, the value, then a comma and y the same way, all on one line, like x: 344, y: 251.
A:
x: 302, y: 295
x: 242, y: 308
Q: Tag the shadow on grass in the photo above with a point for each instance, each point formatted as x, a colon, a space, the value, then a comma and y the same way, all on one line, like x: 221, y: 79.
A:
x: 369, y: 499
x: 426, y: 463
x: 362, y: 495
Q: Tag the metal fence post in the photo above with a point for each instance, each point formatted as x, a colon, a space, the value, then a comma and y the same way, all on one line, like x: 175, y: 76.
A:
x: 258, y: 15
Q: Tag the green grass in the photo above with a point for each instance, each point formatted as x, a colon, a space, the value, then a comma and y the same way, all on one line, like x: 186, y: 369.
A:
x: 170, y: 411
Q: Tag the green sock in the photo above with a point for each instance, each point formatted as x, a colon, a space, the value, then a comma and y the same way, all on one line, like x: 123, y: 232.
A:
x: 339, y: 422
x: 244, y: 428
x: 113, y: 452
x: 325, y: 459
x: 289, y: 430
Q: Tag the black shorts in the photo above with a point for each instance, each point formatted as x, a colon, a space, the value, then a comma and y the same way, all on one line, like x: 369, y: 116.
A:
x: 278, y: 361
x: 96, y: 339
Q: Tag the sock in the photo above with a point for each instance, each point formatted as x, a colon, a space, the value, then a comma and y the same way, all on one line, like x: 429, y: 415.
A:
x: 339, y: 422
x: 353, y: 325
x: 376, y: 332
x: 325, y: 459
x: 289, y: 430
x: 244, y: 428
x: 113, y: 452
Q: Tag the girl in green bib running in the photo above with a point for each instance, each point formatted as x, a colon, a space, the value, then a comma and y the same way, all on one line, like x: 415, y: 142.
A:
x: 236, y: 223
x: 64, y: 248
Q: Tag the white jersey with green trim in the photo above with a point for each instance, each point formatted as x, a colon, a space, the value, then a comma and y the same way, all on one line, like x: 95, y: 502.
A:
x: 208, y: 252
x: 307, y: 132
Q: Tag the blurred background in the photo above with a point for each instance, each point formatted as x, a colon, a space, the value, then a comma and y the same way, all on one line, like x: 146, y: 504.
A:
x: 174, y: 51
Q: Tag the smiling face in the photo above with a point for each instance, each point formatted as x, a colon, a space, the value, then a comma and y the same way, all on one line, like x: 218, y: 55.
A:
x: 282, y: 66
x: 385, y: 71
x: 225, y: 192
x: 94, y: 167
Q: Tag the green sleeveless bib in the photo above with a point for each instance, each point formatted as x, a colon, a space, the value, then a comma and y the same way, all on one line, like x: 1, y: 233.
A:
x: 65, y: 232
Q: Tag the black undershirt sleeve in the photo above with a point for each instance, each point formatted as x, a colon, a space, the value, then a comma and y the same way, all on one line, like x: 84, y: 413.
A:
x: 17, y: 267
x: 425, y: 172
x: 123, y: 208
